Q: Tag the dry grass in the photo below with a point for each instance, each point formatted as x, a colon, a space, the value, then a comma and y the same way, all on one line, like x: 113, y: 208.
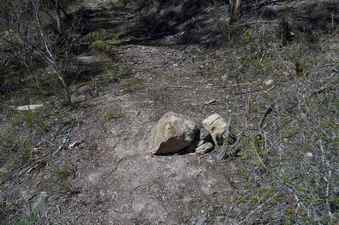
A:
x: 289, y: 159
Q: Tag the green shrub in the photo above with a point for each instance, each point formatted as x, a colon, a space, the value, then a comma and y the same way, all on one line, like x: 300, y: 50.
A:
x: 101, y: 45
x: 32, y: 219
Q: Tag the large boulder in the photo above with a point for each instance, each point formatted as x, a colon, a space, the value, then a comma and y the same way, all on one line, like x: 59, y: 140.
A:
x: 173, y: 133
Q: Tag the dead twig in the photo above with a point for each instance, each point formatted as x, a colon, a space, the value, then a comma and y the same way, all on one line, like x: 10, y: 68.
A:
x: 259, y: 207
x: 268, y: 111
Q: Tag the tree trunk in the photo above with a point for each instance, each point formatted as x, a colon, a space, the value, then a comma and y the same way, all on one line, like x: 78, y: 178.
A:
x: 234, y: 10
x: 67, y: 92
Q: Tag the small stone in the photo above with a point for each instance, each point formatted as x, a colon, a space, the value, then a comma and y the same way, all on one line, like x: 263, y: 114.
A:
x: 268, y: 82
x: 201, y: 142
x: 201, y: 220
x: 204, y: 148
x: 309, y: 155
x: 74, y: 144
x: 217, y: 127
x: 212, y: 101
x: 80, y: 98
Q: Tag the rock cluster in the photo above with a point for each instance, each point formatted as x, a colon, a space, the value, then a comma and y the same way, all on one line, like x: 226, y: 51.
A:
x: 175, y: 133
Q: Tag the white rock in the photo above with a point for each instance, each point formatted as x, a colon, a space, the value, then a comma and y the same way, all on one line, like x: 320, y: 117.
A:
x: 28, y: 107
x: 217, y: 127
x: 212, y: 101
x: 268, y: 82
x: 90, y: 59
x: 74, y: 144
x: 172, y: 134
x: 309, y: 155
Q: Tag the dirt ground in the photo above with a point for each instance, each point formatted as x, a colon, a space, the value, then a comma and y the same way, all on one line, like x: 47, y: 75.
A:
x: 119, y: 181
x: 110, y: 177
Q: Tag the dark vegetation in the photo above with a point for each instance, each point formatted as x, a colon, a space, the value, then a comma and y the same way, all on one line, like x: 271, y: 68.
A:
x: 288, y: 145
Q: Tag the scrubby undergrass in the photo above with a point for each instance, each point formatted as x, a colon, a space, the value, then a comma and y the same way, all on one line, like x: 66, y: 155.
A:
x: 25, y: 147
x: 289, y: 159
x: 288, y: 163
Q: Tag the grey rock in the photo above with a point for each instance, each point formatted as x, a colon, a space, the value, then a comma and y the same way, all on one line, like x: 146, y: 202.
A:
x: 204, y: 148
x: 172, y: 134
x: 218, y: 154
x: 211, y: 102
x: 200, y: 220
x: 205, y: 135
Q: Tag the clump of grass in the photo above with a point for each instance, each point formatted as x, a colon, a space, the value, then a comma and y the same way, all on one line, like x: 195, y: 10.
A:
x: 105, y: 45
x: 292, y: 156
x: 119, y: 3
x: 32, y: 219
x: 96, y: 35
x: 113, y: 115
x: 10, y: 215
x: 27, y: 152
x: 64, y: 175
x: 254, y: 150
x: 35, y: 120
x: 114, y: 39
x: 15, y: 150
x: 101, y: 46
x: 64, y: 172
x: 132, y: 85
x: 44, y: 84
x: 114, y: 73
